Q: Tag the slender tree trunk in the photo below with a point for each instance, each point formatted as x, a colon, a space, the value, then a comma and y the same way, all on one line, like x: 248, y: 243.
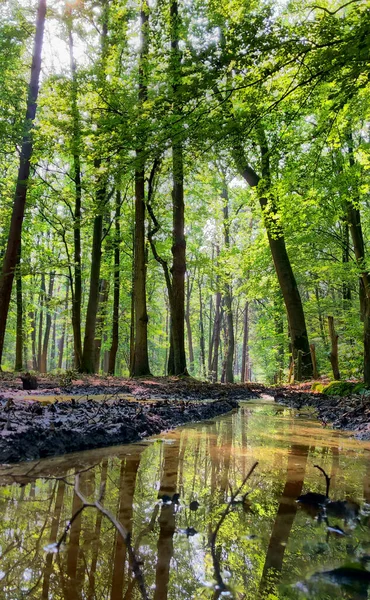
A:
x: 41, y: 319
x: 334, y: 349
x: 354, y: 220
x: 15, y: 231
x: 101, y: 317
x: 44, y: 353
x: 33, y: 339
x: 76, y: 176
x: 53, y: 339
x: 62, y: 337
x: 88, y: 354
x: 178, y: 249
x: 140, y: 364
x: 201, y: 333
x: 227, y: 297
x: 245, y: 351
x: 115, y: 318
x: 216, y: 338
x: 188, y: 324
x: 283, y: 268
x: 19, y: 334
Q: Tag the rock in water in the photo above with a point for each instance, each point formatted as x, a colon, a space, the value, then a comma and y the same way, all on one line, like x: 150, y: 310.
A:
x: 29, y: 382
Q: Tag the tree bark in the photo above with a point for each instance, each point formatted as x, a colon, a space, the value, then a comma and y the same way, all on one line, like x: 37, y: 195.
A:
x: 283, y: 268
x: 188, y: 324
x: 334, y: 349
x: 140, y: 363
x: 201, y: 333
x: 76, y: 176
x: 227, y: 296
x: 178, y: 249
x: 41, y: 319
x: 116, y: 290
x: 100, y: 320
x: 62, y: 337
x: 15, y: 232
x: 19, y: 333
x: 354, y: 221
x: 44, y: 353
x: 245, y: 352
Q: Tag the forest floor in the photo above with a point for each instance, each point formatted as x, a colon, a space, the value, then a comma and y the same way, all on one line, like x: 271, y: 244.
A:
x: 93, y: 412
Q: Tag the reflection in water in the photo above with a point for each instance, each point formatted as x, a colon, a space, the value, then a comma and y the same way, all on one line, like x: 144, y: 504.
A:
x: 264, y: 547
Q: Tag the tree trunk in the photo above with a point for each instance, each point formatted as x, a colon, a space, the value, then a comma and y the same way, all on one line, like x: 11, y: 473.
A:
x: 101, y: 317
x: 178, y: 249
x: 62, y: 337
x: 140, y: 363
x: 88, y: 353
x: 41, y: 319
x: 116, y: 277
x: 44, y: 353
x: 334, y: 349
x: 15, y: 231
x: 188, y: 324
x: 283, y: 268
x: 76, y: 176
x: 227, y: 297
x: 201, y: 333
x: 245, y: 352
x: 216, y: 338
x: 19, y: 334
x: 354, y: 220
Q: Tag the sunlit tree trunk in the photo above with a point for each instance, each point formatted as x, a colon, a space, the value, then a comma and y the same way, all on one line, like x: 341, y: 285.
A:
x: 100, y: 320
x: 76, y: 288
x: 245, y: 350
x: 178, y: 249
x: 227, y: 297
x: 140, y: 362
x: 283, y: 267
x: 116, y: 290
x: 44, y: 353
x: 15, y: 231
x: 19, y: 332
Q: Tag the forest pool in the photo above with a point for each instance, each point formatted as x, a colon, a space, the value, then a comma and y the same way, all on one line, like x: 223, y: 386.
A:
x: 269, y: 546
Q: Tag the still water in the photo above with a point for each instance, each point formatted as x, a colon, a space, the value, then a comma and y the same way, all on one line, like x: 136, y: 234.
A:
x: 267, y: 547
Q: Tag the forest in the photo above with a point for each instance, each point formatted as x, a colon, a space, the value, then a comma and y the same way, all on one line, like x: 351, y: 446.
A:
x: 184, y: 188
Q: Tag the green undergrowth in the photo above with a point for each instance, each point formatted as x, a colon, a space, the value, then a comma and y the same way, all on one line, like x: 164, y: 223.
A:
x: 340, y: 388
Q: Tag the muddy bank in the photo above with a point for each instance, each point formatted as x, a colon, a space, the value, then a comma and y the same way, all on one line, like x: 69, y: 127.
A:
x: 351, y: 413
x: 31, y: 430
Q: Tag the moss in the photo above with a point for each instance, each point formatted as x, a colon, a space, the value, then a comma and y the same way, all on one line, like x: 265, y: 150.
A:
x: 338, y: 388
x: 317, y: 387
x: 360, y: 388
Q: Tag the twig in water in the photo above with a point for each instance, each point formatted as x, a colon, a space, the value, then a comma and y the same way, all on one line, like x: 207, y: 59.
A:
x: 327, y: 479
x: 216, y: 562
x: 126, y: 536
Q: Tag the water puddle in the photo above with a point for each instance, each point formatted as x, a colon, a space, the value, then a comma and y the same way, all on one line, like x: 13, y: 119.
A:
x: 267, y: 546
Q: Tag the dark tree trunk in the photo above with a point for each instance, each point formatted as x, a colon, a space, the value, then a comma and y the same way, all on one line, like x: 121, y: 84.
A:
x: 216, y: 338
x: 19, y: 334
x: 227, y: 298
x: 283, y: 268
x: 76, y: 176
x: 53, y: 341
x: 101, y: 317
x: 245, y: 352
x: 178, y: 249
x: 15, y: 231
x: 62, y: 337
x: 88, y: 353
x: 33, y: 339
x: 41, y: 319
x: 201, y: 334
x: 140, y: 362
x: 334, y: 349
x: 188, y: 324
x: 116, y: 278
x: 354, y: 220
x: 88, y: 356
x: 44, y: 353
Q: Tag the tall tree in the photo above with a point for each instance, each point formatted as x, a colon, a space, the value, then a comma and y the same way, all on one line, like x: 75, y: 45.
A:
x: 15, y: 231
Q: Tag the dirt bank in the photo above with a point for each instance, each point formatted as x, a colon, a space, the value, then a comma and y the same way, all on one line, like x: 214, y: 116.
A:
x: 351, y: 413
x: 104, y: 411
